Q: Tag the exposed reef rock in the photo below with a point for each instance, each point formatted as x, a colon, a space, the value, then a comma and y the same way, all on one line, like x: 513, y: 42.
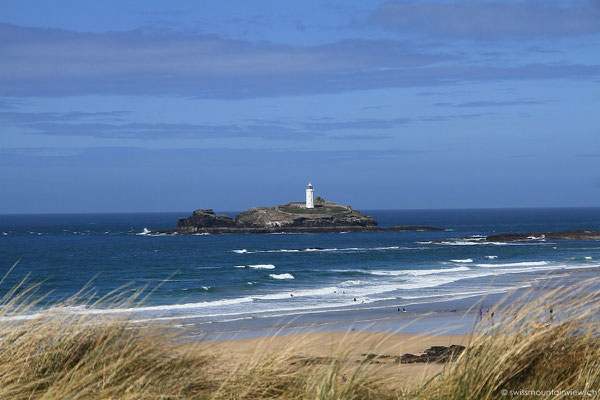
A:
x: 434, y: 354
x: 326, y: 217
x: 206, y: 218
x: 438, y: 354
x: 418, y: 228
x: 540, y: 236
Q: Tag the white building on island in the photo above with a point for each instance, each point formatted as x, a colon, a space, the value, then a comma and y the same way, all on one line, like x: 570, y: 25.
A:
x: 310, y: 196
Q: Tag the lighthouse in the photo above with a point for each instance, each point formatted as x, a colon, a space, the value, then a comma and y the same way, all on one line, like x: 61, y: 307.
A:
x: 310, y: 196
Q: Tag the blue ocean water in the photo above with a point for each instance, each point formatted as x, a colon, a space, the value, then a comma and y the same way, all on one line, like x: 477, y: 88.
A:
x: 228, y: 277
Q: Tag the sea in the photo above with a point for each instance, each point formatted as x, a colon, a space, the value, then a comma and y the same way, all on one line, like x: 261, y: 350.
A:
x: 220, y: 278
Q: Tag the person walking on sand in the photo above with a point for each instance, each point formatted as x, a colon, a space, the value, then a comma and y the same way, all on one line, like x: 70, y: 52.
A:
x: 551, y: 314
x: 480, y: 314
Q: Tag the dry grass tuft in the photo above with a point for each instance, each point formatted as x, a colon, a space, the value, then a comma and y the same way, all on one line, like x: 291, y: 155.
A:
x: 529, y: 349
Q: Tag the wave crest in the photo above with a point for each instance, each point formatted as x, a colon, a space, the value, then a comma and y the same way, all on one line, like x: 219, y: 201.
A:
x: 281, y: 276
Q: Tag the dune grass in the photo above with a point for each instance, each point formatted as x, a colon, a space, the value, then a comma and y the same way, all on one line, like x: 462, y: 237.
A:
x: 65, y: 354
x: 530, y: 352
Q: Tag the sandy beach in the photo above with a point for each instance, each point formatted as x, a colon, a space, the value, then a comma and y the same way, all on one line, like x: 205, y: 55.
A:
x: 322, y: 347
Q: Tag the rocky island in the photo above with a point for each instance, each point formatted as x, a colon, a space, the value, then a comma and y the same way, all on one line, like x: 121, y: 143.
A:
x: 323, y: 217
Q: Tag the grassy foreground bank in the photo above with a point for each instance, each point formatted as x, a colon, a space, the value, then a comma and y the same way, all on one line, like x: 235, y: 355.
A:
x: 67, y: 354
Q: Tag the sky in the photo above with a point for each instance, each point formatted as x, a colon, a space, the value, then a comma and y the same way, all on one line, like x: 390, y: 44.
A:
x: 128, y: 106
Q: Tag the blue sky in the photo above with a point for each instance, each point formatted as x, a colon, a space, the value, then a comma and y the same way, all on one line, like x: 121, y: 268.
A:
x: 170, y: 106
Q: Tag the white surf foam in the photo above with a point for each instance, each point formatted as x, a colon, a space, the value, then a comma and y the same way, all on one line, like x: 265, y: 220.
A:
x: 516, y: 264
x: 281, y: 276
x: 262, y: 266
x: 239, y: 266
x: 480, y: 242
x: 466, y: 260
x: 412, y: 272
x: 144, y: 232
x: 310, y: 249
x: 317, y: 292
x: 160, y: 308
x: 491, y: 257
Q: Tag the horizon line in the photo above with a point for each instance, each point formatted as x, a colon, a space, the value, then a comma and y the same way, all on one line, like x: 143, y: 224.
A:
x: 358, y: 209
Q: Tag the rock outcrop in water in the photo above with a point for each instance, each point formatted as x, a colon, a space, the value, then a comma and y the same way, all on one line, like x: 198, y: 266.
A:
x: 206, y: 218
x: 326, y: 217
x: 540, y: 236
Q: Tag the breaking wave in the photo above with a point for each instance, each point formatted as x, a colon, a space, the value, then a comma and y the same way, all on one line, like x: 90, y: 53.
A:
x: 311, y: 249
x: 262, y: 266
x: 415, y: 272
x: 281, y: 276
x: 516, y: 264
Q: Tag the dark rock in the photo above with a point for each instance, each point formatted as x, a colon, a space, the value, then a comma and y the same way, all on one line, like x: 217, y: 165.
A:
x: 373, y: 358
x: 541, y: 236
x: 408, y: 359
x: 205, y: 219
x: 439, y: 354
x: 417, y: 228
x: 307, y: 361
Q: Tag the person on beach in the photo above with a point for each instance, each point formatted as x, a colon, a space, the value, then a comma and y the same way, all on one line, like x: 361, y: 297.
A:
x: 403, y: 309
x: 480, y: 314
x: 551, y: 314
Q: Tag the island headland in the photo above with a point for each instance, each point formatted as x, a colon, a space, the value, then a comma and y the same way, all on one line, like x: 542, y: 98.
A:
x: 323, y: 217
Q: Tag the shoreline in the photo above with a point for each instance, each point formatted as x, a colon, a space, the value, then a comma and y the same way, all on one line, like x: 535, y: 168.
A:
x: 445, y: 317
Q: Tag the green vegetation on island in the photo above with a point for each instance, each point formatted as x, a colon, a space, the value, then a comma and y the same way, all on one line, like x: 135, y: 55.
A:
x: 318, y: 210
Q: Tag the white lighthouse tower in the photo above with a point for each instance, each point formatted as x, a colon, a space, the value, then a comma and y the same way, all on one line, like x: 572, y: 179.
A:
x: 310, y: 196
